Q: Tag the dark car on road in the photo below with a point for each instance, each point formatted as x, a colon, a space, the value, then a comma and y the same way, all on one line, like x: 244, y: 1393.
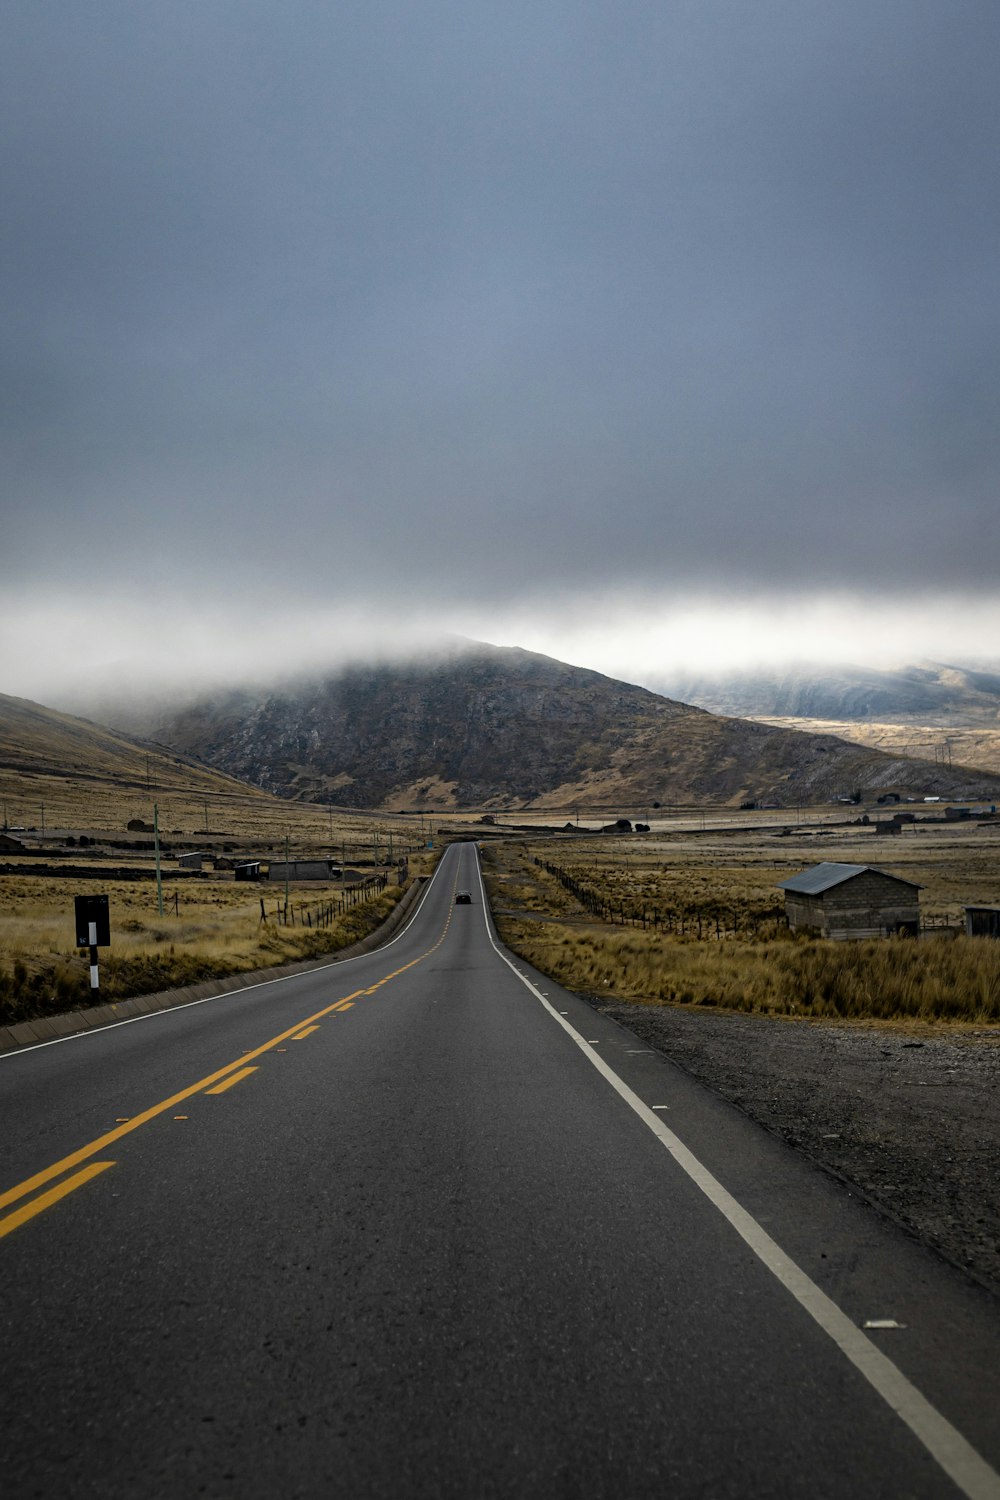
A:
x: 463, y: 898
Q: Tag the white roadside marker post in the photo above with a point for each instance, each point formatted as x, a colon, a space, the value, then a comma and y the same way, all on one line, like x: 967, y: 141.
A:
x: 95, y: 979
x: 93, y: 930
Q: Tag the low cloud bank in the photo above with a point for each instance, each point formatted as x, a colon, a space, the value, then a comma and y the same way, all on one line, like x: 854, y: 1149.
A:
x: 73, y: 652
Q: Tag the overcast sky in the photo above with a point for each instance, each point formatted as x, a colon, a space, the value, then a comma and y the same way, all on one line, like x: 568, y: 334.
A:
x: 618, y: 330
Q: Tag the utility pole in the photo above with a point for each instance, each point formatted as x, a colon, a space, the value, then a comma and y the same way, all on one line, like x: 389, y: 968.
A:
x: 286, y: 875
x: 156, y: 846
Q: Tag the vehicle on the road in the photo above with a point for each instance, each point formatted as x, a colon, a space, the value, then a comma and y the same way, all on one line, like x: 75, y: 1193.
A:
x: 463, y: 898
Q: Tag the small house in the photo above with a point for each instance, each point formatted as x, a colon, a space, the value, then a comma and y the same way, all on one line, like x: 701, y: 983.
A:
x: 851, y: 901
x: 193, y: 861
x: 248, y: 870
x: 982, y: 921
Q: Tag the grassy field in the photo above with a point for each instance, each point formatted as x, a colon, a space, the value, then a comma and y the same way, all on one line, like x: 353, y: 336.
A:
x: 68, y: 790
x: 963, y: 745
x: 721, y: 939
x: 211, y: 927
x: 47, y: 806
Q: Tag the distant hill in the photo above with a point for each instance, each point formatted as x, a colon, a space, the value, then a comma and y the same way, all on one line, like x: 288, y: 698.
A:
x: 927, y: 711
x: 502, y: 727
x: 929, y: 693
x: 55, y: 768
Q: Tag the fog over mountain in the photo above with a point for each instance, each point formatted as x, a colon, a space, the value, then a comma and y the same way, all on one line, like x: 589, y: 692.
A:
x: 501, y: 728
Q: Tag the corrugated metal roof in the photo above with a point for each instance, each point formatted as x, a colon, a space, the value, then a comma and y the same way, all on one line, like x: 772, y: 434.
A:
x: 820, y: 878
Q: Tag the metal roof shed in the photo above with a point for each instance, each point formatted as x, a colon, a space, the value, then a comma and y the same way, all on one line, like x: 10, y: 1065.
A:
x: 851, y: 901
x: 820, y: 878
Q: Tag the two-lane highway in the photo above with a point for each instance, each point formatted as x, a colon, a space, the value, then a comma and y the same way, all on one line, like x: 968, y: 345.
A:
x: 421, y: 1223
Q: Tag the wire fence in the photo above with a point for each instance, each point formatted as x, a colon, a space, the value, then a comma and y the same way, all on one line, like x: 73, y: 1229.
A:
x: 709, y: 918
x: 323, y: 913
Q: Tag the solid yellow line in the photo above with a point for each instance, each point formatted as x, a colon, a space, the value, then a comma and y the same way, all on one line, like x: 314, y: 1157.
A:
x: 344, y: 1005
x: 227, y: 1083
x: 39, y: 1205
x: 300, y: 1036
x: 24, y: 1189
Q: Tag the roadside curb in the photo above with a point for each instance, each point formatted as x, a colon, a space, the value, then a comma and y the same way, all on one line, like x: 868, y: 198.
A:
x: 73, y: 1023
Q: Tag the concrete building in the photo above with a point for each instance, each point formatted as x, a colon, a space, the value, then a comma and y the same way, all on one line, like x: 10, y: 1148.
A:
x: 851, y: 901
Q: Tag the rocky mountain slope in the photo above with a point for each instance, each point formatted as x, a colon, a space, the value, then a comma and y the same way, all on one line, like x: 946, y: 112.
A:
x: 501, y: 727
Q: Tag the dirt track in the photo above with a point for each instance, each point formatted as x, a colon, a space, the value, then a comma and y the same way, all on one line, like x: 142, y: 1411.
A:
x: 912, y: 1118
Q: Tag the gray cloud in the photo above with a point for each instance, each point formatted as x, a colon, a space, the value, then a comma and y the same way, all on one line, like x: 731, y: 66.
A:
x: 368, y: 300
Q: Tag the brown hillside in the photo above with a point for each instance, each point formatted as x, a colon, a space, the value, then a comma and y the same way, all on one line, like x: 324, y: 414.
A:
x: 61, y: 771
x: 492, y: 727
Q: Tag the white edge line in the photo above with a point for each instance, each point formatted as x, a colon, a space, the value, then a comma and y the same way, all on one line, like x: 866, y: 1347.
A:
x: 157, y: 1015
x: 946, y: 1445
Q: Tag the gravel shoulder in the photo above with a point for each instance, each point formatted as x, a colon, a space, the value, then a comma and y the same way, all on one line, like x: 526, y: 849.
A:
x: 910, y: 1117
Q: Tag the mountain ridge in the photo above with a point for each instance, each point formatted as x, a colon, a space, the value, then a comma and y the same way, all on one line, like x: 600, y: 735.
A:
x: 498, y: 727
x: 925, y: 692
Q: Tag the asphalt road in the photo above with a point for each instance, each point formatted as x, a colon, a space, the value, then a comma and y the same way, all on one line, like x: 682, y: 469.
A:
x: 459, y: 1237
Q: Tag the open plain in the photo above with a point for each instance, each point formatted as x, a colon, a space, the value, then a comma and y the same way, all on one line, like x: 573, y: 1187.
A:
x: 886, y: 1072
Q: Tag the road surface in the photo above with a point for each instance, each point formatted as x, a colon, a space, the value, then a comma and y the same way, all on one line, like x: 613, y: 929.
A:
x: 423, y: 1224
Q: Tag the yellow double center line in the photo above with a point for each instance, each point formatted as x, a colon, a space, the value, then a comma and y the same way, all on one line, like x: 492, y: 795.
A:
x: 232, y: 1073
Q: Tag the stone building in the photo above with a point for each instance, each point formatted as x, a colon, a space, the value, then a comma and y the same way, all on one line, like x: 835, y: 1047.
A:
x: 851, y: 901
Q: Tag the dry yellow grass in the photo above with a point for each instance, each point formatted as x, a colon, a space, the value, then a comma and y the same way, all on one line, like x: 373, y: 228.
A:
x: 49, y: 806
x: 213, y: 929
x: 964, y: 745
x: 763, y: 968
x: 61, y: 778
x: 955, y: 864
